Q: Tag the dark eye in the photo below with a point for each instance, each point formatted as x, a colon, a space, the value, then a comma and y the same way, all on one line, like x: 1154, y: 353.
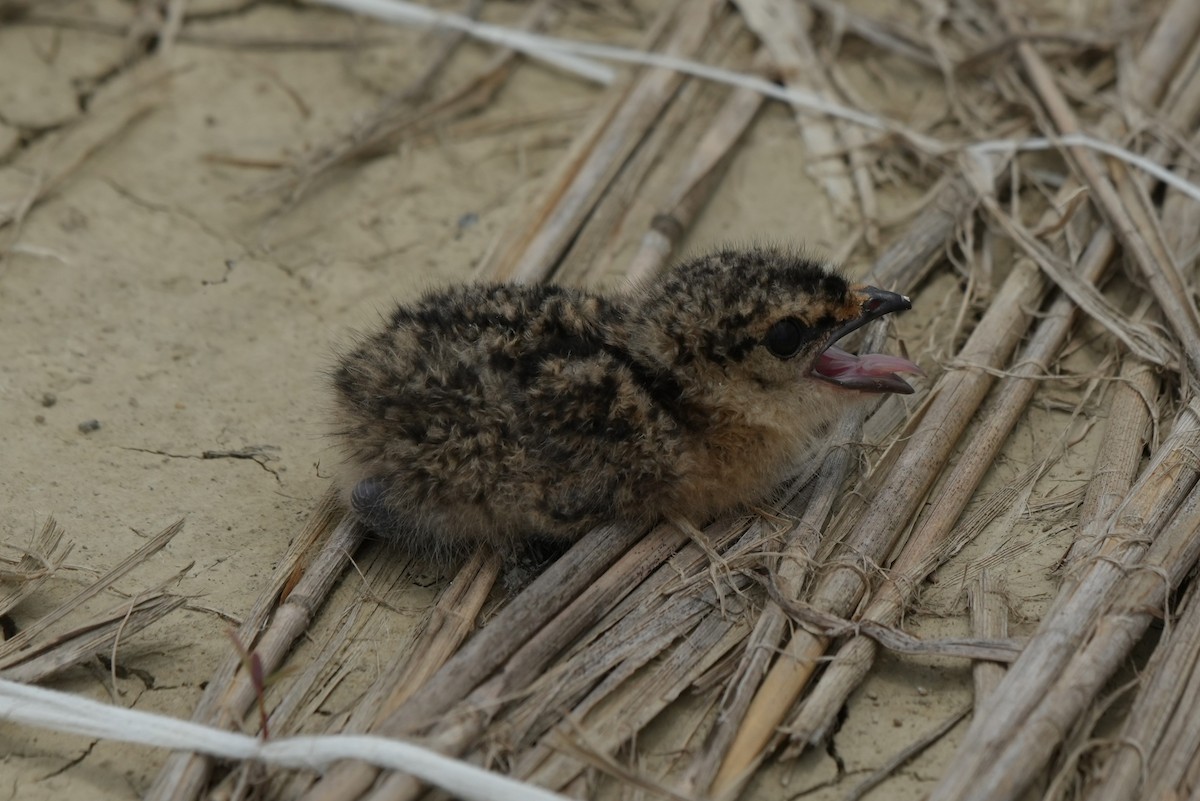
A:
x: 785, y: 337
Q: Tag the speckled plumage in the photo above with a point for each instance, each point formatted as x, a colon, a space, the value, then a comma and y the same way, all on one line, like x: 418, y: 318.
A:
x: 499, y: 412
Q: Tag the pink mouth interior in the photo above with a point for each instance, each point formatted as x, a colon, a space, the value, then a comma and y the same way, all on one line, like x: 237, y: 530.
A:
x: 845, y: 367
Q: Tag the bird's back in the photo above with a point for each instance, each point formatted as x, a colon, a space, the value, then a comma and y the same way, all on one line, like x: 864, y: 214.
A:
x: 502, y: 411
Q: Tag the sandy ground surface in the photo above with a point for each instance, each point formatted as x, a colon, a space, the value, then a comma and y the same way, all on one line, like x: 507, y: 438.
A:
x: 150, y: 292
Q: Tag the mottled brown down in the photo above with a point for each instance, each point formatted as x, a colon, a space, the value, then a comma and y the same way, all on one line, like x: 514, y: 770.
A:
x: 499, y: 411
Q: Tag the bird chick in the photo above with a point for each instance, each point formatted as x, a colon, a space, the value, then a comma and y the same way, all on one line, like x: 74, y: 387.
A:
x: 501, y: 412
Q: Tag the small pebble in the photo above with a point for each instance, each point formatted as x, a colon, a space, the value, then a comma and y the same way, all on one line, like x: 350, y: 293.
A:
x: 40, y: 419
x: 49, y: 399
x: 88, y: 426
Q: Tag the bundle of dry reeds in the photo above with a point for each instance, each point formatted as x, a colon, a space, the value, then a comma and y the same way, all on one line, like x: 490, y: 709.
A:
x: 751, y: 638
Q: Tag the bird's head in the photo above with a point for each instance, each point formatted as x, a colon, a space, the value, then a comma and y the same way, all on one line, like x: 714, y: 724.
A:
x: 746, y: 326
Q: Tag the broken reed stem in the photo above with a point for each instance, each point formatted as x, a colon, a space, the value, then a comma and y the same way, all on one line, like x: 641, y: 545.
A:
x: 697, y: 180
x: 1121, y: 451
x: 953, y: 402
x: 488, y: 650
x: 183, y: 775
x: 989, y: 620
x: 459, y: 726
x: 1162, y: 731
x: 1125, y: 209
x: 599, y: 234
x: 534, y: 250
x: 1139, y: 597
x: 1161, y: 487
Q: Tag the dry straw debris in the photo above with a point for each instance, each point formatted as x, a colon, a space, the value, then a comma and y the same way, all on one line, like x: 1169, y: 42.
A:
x: 752, y: 635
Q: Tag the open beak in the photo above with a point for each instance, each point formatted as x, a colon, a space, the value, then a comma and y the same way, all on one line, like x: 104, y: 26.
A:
x: 873, y: 372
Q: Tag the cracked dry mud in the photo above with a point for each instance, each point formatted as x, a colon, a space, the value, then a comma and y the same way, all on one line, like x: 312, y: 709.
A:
x: 193, y: 320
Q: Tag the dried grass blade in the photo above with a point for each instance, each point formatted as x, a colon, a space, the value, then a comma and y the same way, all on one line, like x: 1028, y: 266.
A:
x: 84, y: 642
x: 14, y: 645
x: 36, y: 565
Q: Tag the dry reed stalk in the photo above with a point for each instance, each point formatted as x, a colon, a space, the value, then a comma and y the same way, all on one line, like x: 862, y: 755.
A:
x: 1149, y: 504
x: 696, y: 181
x: 183, y: 775
x: 782, y: 28
x: 626, y: 657
x: 989, y: 619
x: 850, y: 665
x: 952, y: 403
x: 619, y: 714
x: 1125, y: 432
x: 1123, y: 206
x: 1162, y: 732
x: 1138, y: 597
x: 533, y: 250
x: 658, y: 610
x: 526, y: 615
x: 599, y: 232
